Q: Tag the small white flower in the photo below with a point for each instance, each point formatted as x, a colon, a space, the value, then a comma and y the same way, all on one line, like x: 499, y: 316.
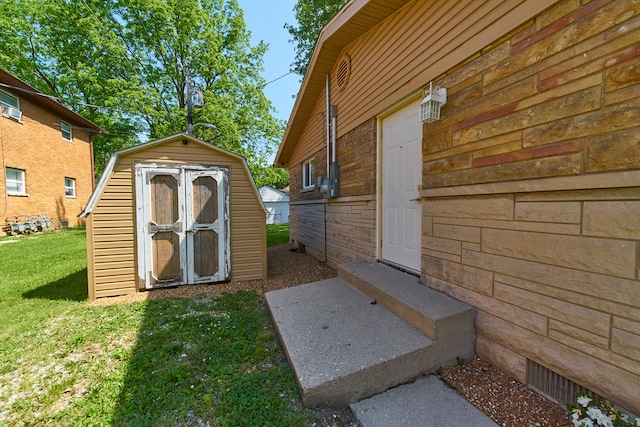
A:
x: 586, y: 423
x: 584, y: 400
x: 594, y: 413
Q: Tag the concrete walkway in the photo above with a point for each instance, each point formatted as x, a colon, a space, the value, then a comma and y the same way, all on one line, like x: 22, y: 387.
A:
x: 427, y: 402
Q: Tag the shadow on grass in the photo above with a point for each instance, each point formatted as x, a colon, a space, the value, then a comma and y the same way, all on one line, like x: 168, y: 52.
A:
x: 70, y: 288
x: 207, y: 361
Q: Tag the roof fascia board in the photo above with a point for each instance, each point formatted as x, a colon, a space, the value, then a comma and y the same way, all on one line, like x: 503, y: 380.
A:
x: 328, y: 40
x: 43, y: 100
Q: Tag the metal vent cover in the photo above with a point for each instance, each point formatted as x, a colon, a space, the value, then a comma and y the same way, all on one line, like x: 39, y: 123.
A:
x: 552, y: 385
x: 344, y: 72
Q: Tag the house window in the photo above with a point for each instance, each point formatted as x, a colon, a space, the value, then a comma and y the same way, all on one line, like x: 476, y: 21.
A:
x: 10, y: 106
x: 308, y: 174
x: 66, y: 130
x: 15, y: 182
x: 70, y: 187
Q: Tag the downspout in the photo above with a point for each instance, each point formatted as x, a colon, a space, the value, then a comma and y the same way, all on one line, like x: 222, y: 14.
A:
x: 328, y: 124
x: 334, y: 115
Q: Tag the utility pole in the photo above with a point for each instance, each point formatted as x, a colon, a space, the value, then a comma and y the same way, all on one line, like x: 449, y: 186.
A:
x: 189, y: 106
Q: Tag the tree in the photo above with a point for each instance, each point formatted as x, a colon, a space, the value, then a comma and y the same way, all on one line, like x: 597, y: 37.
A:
x: 275, y: 177
x: 312, y: 16
x: 123, y: 64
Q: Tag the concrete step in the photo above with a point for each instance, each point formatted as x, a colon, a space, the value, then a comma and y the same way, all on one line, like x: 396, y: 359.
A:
x: 343, y: 348
x: 429, y: 311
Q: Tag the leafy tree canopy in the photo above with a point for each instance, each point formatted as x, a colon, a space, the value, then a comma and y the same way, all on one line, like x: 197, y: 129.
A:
x: 123, y: 64
x: 311, y: 15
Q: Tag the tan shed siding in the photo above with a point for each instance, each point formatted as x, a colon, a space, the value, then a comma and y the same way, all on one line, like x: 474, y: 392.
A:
x: 114, y: 218
x: 389, y: 65
x: 90, y: 259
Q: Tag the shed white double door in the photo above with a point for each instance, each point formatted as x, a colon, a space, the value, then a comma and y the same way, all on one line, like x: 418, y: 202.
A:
x: 401, y: 217
x: 182, y: 224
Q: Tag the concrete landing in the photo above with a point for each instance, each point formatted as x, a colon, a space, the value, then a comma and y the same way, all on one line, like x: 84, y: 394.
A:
x: 342, y: 347
x: 427, y: 402
x: 436, y: 315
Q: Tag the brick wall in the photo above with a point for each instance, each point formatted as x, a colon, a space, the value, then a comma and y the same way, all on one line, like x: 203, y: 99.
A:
x: 37, y: 147
x: 349, y: 230
x: 532, y: 193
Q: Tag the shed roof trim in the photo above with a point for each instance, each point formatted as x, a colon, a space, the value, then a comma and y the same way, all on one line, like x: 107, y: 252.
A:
x: 91, y: 204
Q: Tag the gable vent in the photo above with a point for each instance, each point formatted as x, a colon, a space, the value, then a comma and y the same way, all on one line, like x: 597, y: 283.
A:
x: 344, y: 71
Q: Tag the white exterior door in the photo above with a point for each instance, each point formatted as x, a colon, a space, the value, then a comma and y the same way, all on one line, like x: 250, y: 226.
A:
x: 401, y: 217
x: 183, y: 225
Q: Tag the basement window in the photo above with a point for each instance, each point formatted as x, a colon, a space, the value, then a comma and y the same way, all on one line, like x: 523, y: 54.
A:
x: 15, y: 182
x: 308, y: 175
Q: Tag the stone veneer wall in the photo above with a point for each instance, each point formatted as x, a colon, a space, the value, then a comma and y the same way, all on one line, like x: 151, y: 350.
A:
x: 531, y: 196
x: 349, y: 232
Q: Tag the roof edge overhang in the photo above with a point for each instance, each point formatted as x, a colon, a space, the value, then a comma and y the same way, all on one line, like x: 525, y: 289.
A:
x: 23, y: 90
x: 355, y: 19
x: 95, y: 196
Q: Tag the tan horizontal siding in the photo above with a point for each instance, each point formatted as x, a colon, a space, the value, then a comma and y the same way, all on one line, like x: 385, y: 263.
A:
x: 387, y: 66
x: 112, y: 264
x: 106, y: 282
x: 109, y: 259
x: 123, y: 289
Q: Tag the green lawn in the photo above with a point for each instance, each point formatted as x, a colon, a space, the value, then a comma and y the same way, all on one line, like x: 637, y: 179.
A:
x: 210, y: 361
x: 277, y: 234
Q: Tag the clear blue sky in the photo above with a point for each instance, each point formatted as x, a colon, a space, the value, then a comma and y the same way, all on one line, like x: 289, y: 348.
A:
x: 265, y: 19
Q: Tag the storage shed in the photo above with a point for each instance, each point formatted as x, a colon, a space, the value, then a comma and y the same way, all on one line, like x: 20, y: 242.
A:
x: 171, y: 212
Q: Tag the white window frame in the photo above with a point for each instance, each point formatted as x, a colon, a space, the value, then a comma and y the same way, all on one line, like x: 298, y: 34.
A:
x: 308, y: 175
x: 69, y: 187
x: 20, y: 182
x: 63, y: 129
x: 15, y: 105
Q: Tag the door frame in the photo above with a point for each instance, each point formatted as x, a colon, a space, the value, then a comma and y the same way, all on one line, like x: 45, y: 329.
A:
x: 143, y: 252
x: 404, y: 103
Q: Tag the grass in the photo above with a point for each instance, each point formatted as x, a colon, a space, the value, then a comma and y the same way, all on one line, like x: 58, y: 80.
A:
x: 277, y: 234
x: 205, y: 361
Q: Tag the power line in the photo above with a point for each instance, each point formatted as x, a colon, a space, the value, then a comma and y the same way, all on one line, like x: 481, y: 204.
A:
x: 276, y: 79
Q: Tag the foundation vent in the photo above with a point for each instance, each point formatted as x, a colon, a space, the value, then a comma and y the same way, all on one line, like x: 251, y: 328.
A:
x: 552, y: 385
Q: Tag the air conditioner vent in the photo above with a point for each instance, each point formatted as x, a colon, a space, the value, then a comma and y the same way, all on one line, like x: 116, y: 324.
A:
x: 12, y: 112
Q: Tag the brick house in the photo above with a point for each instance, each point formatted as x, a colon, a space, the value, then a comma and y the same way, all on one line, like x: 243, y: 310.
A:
x: 47, y: 157
x: 521, y: 200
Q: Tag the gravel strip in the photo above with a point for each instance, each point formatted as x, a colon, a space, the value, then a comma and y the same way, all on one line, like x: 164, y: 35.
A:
x: 507, y: 401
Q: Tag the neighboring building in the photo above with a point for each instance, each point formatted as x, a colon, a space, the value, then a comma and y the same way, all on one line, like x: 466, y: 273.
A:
x: 277, y: 204
x: 170, y: 212
x: 47, y: 157
x: 522, y: 200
